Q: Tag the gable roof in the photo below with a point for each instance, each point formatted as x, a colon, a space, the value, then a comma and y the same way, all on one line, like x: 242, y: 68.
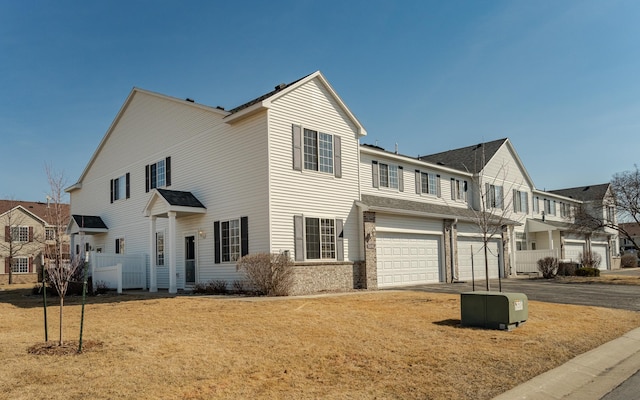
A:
x: 264, y: 102
x: 89, y: 221
x: 180, y: 202
x: 37, y: 209
x: 180, y: 198
x: 584, y: 193
x: 468, y: 159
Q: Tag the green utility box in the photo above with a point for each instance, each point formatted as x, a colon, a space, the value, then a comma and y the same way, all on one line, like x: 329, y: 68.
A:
x: 493, y: 310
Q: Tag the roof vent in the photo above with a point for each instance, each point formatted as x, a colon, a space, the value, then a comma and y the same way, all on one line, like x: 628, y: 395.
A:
x: 220, y: 108
x: 281, y: 86
x: 586, y: 188
x: 478, y: 146
x: 189, y: 100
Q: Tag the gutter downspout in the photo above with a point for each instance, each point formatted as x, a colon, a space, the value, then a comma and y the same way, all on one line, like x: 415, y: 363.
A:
x: 453, y: 257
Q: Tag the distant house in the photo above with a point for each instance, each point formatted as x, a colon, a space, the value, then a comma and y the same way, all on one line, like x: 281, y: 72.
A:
x: 191, y: 188
x: 633, y: 229
x: 29, y: 227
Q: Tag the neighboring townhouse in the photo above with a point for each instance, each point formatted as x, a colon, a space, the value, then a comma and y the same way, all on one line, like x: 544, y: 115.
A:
x: 29, y: 228
x: 192, y: 188
x: 198, y: 187
x: 633, y: 229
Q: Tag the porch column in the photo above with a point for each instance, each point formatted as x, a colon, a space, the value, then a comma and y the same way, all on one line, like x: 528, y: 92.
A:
x: 550, y: 239
x: 153, y: 278
x: 172, y: 252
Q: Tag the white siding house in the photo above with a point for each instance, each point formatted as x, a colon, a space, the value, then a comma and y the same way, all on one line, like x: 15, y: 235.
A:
x: 191, y: 188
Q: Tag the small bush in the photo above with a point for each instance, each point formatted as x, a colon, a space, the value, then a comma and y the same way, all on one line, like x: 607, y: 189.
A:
x: 101, y: 287
x: 567, y: 269
x: 211, y: 287
x: 269, y: 274
x: 587, y: 271
x: 238, y: 286
x: 629, y: 261
x: 589, y: 259
x: 548, y: 266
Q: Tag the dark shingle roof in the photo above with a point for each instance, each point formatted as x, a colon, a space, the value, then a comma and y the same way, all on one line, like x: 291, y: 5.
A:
x: 178, y: 198
x: 584, y: 193
x: 277, y: 89
x: 89, y: 221
x: 39, y: 209
x: 468, y: 159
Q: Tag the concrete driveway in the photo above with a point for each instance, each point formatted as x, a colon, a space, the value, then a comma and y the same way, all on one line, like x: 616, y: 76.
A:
x: 601, y: 295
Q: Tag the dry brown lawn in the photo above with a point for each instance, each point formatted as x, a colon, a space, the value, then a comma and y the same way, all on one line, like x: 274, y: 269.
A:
x: 383, y: 345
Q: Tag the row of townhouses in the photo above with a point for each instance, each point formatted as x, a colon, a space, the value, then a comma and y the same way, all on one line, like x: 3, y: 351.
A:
x: 188, y: 189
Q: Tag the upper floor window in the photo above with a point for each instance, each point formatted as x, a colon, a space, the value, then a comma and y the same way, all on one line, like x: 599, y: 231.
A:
x: 611, y: 214
x: 495, y: 197
x: 387, y: 175
x: 158, y: 174
x: 427, y: 183
x: 231, y: 239
x: 50, y: 233
x: 120, y: 188
x: 536, y: 205
x: 565, y: 209
x: 458, y: 189
x: 550, y: 207
x: 316, y: 151
x: 520, y: 201
x: 21, y: 234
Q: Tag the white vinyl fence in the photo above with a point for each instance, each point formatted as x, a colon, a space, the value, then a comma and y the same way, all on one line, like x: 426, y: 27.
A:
x: 527, y: 260
x: 118, y: 271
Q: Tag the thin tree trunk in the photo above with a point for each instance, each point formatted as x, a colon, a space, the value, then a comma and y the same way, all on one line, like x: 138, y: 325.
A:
x: 486, y: 263
x: 61, y: 313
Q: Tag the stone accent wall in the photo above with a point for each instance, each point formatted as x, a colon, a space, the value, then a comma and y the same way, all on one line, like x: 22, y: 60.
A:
x: 507, y: 232
x: 326, y: 277
x: 447, y: 230
x: 19, y: 278
x: 370, y: 257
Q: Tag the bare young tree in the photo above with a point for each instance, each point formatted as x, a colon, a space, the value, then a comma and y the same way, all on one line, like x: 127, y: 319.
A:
x: 60, y: 268
x: 17, y: 237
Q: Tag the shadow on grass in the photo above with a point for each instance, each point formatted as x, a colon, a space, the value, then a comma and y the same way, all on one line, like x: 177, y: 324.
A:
x: 31, y: 297
x: 456, y: 323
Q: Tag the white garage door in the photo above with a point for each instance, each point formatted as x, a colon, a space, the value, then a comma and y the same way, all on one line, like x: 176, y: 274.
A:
x: 407, y: 259
x: 572, y: 251
x: 602, y: 250
x: 465, y: 270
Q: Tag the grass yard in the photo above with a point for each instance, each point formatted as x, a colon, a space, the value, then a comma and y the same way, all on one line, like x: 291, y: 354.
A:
x: 384, y: 345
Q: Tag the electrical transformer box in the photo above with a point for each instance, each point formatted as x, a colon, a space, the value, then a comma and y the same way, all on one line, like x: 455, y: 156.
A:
x: 493, y: 310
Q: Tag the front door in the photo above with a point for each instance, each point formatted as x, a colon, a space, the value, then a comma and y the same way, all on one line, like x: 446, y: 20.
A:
x: 190, y: 260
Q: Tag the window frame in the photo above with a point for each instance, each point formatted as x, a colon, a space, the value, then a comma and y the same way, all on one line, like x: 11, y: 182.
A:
x: 16, y: 269
x: 318, y: 151
x: 20, y: 232
x: 160, y: 245
x: 230, y: 244
x: 322, y: 239
x: 520, y: 201
x: 495, y: 196
x: 120, y: 245
x: 430, y: 180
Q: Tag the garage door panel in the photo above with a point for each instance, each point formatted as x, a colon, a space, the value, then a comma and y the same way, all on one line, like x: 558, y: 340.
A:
x: 602, y: 250
x: 469, y: 268
x: 407, y: 259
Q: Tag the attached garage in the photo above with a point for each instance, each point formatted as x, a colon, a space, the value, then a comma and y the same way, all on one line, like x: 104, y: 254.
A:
x: 407, y: 259
x: 471, y: 259
x: 601, y: 249
x: 573, y: 250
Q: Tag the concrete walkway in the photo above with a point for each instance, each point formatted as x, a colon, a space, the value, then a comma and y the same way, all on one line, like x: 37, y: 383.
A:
x: 594, y: 375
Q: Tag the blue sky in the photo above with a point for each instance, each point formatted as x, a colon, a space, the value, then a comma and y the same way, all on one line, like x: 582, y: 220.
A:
x: 559, y: 78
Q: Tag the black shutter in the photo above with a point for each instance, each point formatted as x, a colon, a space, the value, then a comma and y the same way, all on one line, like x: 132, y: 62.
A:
x: 128, y: 178
x: 337, y: 156
x: 438, y: 186
x: 298, y: 233
x: 167, y: 170
x: 418, y: 181
x: 117, y: 247
x: 244, y: 236
x: 147, y: 177
x: 111, y: 189
x: 296, y: 133
x: 31, y: 233
x: 375, y: 173
x: 453, y: 189
x: 339, y: 240
x: 400, y: 179
x: 216, y: 241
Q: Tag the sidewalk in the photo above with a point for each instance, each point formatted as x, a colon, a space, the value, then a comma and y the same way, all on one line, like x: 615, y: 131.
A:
x: 589, y: 376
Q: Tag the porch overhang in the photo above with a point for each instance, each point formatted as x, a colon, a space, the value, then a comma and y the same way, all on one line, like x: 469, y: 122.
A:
x: 87, y: 224
x: 162, y: 202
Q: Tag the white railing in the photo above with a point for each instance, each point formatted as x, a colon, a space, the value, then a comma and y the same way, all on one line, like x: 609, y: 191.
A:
x: 131, y: 274
x: 527, y: 260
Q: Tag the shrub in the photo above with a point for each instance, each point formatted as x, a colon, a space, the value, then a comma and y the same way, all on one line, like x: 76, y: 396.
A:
x: 269, y: 274
x: 589, y: 259
x: 587, y: 271
x: 629, y: 261
x: 567, y: 269
x: 101, y: 287
x: 211, y: 287
x: 238, y: 286
x: 548, y: 266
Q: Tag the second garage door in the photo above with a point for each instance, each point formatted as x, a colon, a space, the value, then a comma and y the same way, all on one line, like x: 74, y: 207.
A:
x: 469, y: 267
x: 601, y: 249
x: 407, y: 259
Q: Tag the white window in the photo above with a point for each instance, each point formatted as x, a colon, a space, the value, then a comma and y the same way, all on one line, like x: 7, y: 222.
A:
x: 550, y: 207
x: 565, y: 209
x: 50, y: 233
x: 389, y: 176
x: 20, y: 265
x: 318, y: 151
x: 494, y: 196
x: 536, y: 205
x: 458, y: 189
x: 20, y: 233
x: 119, y: 188
x: 320, y: 238
x: 230, y: 237
x: 611, y: 214
x: 157, y: 174
x: 159, y: 248
x: 520, y: 201
x: 521, y: 241
x: 429, y: 183
x: 120, y: 246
